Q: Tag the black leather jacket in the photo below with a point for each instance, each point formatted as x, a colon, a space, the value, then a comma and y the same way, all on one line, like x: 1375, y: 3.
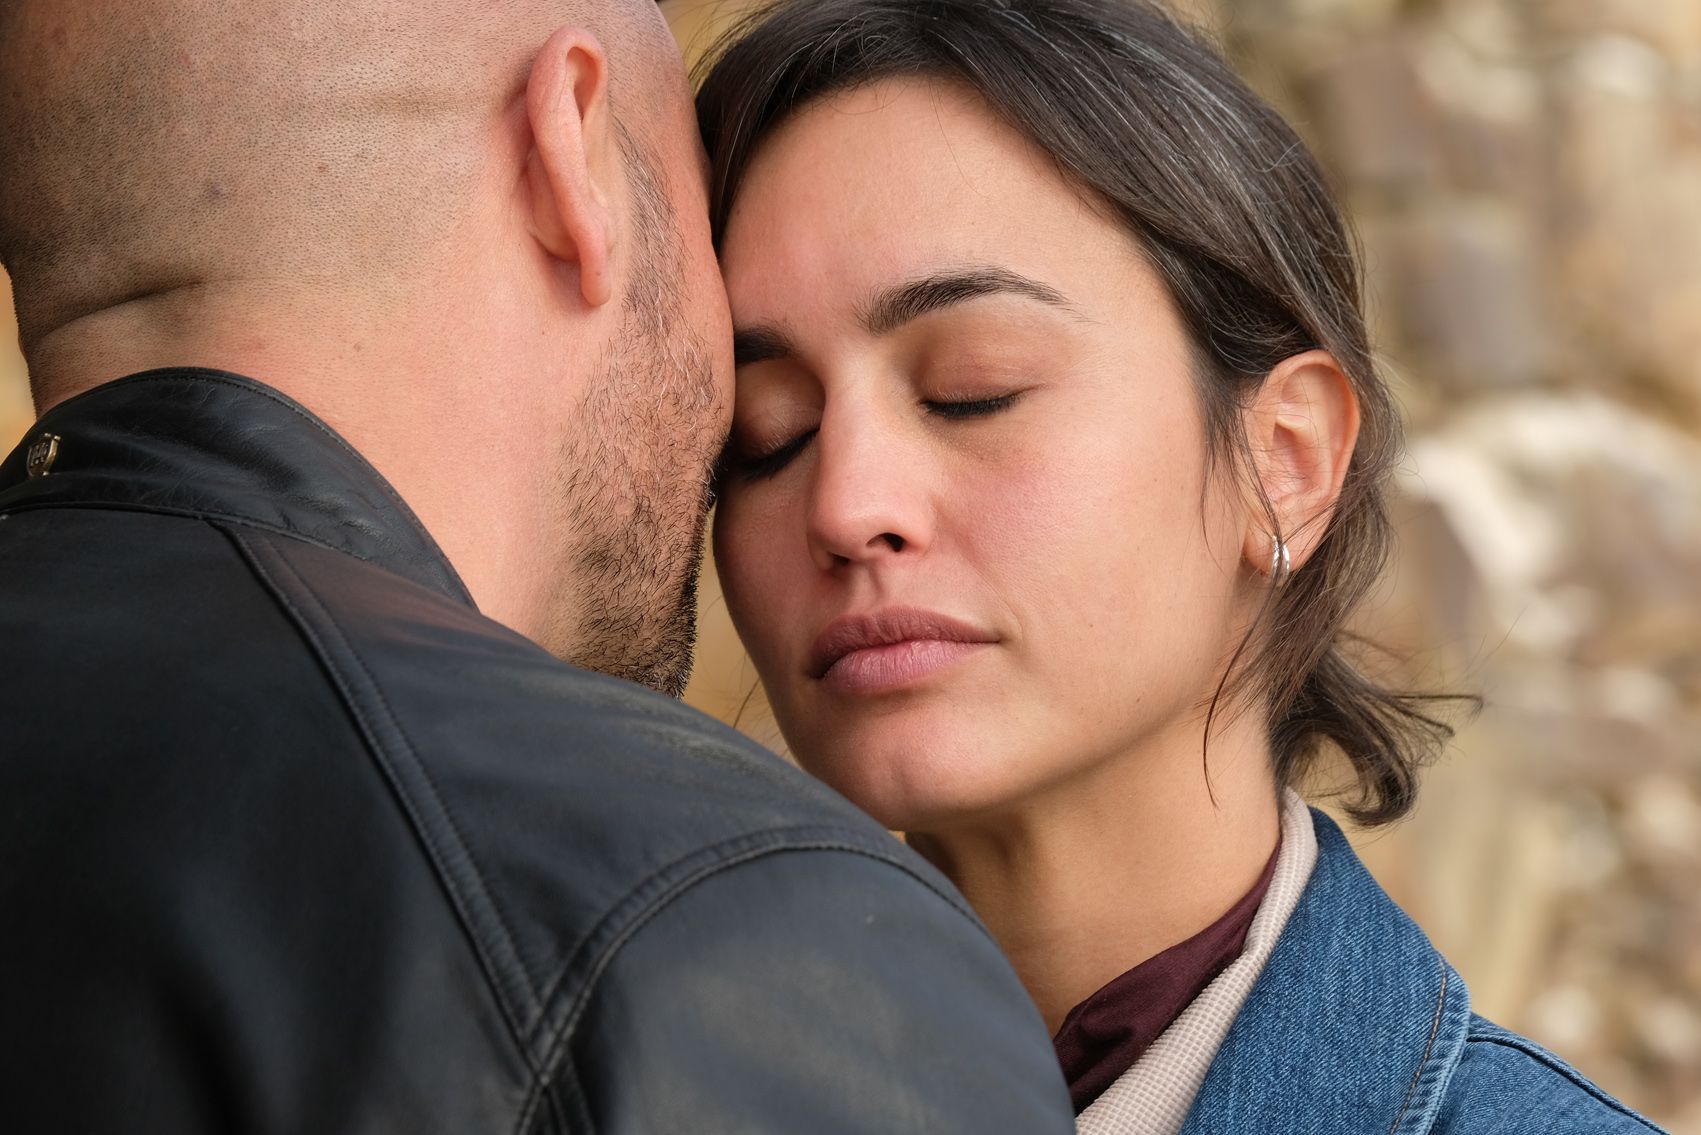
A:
x: 292, y: 839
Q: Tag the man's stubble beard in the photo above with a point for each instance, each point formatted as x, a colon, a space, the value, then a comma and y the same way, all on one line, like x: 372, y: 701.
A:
x: 636, y: 476
x: 637, y: 545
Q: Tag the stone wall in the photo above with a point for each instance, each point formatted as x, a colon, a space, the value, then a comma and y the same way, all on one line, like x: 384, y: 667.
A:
x: 1526, y: 176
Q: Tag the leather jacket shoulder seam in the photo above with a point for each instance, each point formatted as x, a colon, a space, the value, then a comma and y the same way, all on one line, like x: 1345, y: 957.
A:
x: 660, y: 889
x: 667, y: 882
x: 407, y: 795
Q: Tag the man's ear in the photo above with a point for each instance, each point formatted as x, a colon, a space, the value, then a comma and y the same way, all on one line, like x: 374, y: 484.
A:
x: 1302, y: 427
x: 575, y: 159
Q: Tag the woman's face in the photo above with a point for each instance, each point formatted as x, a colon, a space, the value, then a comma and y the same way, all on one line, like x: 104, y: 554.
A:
x: 965, y: 531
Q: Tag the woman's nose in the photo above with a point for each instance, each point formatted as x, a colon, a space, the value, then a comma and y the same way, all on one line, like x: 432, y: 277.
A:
x: 867, y: 502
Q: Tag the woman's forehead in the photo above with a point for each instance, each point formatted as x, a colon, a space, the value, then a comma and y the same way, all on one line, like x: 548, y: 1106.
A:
x: 905, y: 180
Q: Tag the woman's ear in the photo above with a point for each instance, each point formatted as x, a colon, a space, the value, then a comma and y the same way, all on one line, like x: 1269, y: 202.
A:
x: 574, y: 161
x: 1301, y: 427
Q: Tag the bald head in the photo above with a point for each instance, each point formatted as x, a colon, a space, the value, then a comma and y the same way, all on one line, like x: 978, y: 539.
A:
x: 153, y: 145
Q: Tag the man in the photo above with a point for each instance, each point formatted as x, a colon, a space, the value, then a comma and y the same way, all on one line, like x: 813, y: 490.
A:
x: 306, y: 822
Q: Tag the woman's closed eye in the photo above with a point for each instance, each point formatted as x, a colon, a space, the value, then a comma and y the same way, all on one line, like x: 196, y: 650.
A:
x: 960, y: 408
x: 764, y: 461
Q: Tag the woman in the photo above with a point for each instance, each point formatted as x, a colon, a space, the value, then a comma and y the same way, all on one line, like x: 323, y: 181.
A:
x: 1057, y: 468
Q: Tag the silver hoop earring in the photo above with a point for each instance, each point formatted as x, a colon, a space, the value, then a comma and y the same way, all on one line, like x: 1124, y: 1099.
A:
x: 1281, y: 564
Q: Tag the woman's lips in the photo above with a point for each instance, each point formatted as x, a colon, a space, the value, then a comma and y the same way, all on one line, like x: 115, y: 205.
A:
x: 881, y: 669
x: 891, y: 649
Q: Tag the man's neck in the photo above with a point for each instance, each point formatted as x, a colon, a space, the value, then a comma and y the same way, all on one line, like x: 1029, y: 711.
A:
x: 300, y: 337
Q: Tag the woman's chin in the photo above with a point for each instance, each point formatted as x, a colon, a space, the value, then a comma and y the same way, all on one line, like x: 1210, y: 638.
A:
x: 918, y: 786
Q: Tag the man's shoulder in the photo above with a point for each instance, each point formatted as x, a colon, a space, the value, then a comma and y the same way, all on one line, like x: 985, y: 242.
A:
x: 563, y: 809
x: 484, y: 710
x: 1506, y: 1083
x: 277, y: 790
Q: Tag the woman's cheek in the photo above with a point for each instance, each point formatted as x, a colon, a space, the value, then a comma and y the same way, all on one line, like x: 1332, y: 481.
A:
x: 753, y: 567
x: 733, y: 560
x: 1036, y: 513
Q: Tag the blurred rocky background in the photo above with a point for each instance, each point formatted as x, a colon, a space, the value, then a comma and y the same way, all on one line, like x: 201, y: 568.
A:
x: 1526, y: 177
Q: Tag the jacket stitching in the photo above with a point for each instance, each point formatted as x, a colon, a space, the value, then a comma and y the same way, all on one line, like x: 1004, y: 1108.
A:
x: 216, y: 519
x: 424, y: 771
x: 556, y: 1119
x: 575, y: 1091
x: 812, y: 841
x: 1553, y: 1064
x: 638, y: 905
x: 1429, y: 1047
x: 436, y: 852
x: 554, y: 1058
x: 176, y: 376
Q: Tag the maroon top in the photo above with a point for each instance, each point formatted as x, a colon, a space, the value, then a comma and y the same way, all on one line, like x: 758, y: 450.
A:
x: 1104, y: 1035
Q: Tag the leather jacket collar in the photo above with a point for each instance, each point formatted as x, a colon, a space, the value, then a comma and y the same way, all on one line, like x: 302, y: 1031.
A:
x: 207, y: 443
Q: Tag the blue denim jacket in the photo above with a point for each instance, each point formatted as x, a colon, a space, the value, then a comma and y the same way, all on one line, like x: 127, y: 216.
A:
x: 1358, y: 1025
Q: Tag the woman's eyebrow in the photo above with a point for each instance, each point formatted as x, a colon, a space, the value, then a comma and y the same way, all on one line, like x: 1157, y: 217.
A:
x: 902, y: 303
x: 898, y: 305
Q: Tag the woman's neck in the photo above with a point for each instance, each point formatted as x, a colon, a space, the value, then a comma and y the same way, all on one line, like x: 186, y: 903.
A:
x: 1086, y: 881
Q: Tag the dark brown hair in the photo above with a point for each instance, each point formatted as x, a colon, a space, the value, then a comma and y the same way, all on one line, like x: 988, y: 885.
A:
x: 1232, y: 211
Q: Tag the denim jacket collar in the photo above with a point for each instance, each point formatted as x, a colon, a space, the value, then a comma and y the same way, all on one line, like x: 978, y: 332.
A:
x: 210, y: 444
x: 1356, y: 1024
